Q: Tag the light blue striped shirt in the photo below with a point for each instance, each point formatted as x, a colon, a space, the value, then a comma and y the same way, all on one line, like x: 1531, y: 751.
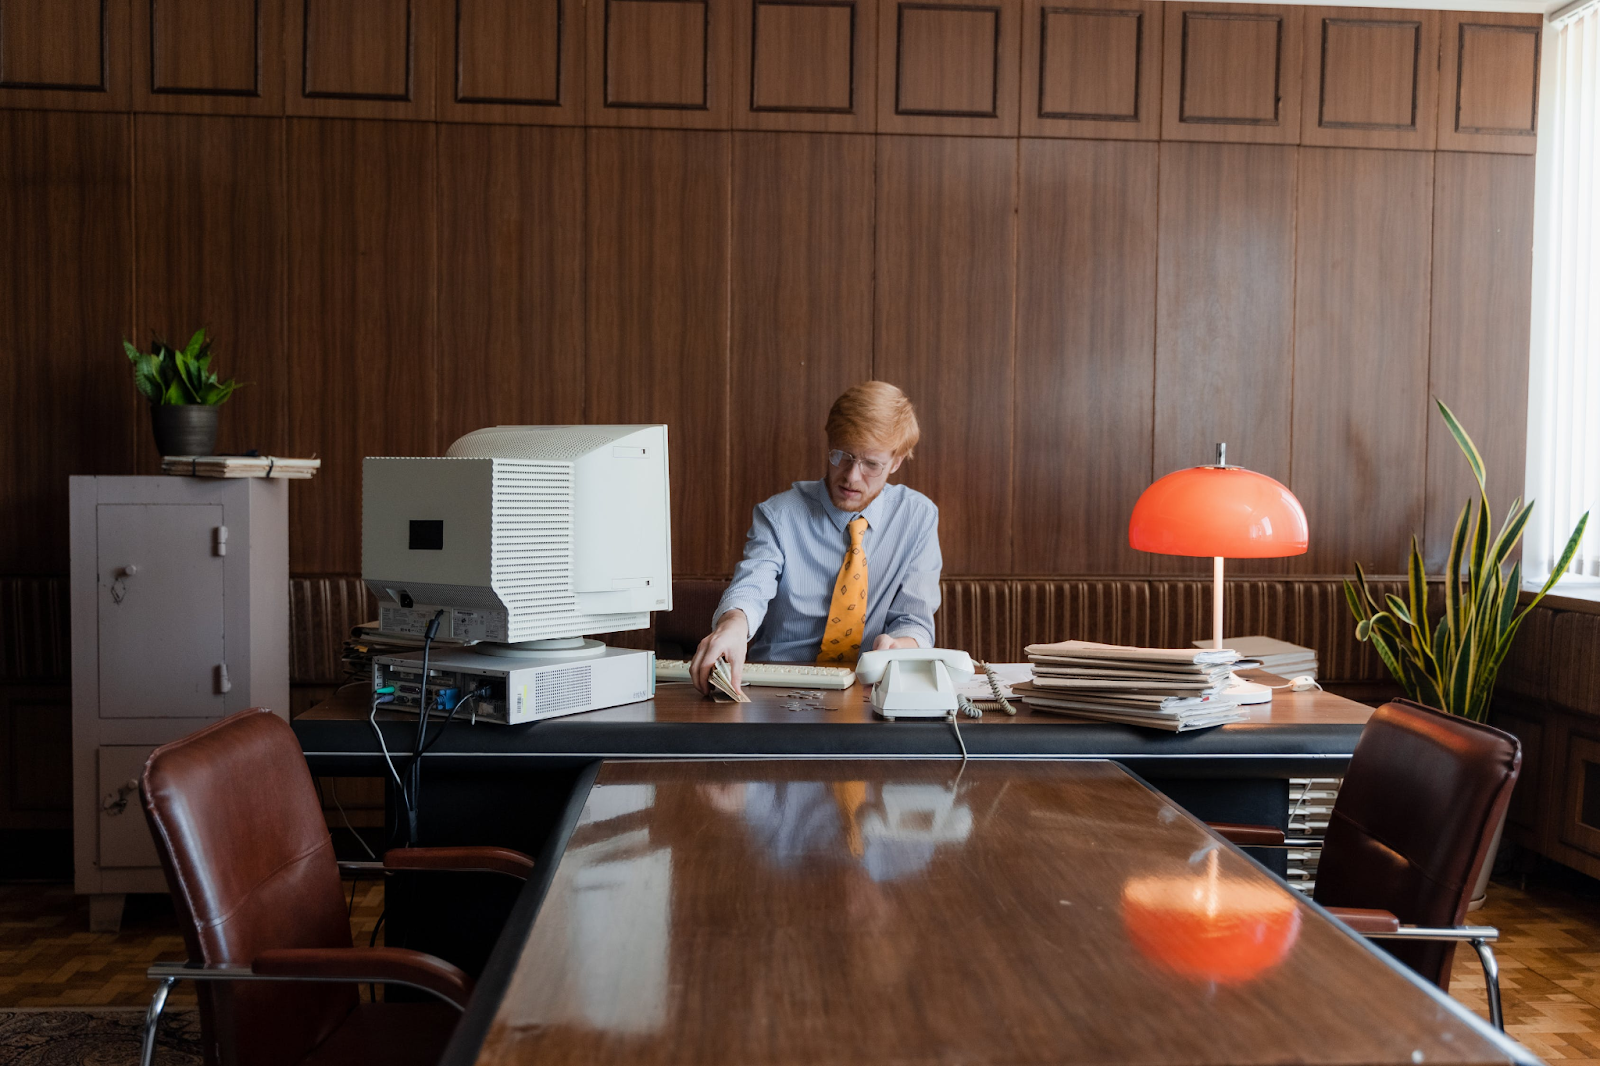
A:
x: 797, y: 540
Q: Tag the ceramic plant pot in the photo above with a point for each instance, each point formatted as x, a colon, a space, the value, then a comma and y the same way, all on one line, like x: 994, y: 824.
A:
x: 184, y: 429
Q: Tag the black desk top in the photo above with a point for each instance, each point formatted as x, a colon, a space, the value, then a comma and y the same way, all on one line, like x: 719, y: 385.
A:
x: 1298, y: 733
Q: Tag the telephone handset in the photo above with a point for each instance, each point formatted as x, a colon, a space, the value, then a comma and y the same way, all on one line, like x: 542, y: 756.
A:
x: 914, y: 682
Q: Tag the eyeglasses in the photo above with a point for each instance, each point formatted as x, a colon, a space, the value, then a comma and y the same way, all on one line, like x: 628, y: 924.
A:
x: 869, y: 467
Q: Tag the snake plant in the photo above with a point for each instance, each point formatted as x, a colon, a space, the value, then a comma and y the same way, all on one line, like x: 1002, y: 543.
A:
x: 168, y: 375
x: 1450, y: 662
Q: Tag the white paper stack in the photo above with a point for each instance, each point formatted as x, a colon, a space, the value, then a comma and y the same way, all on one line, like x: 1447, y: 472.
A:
x: 1277, y: 656
x: 1175, y: 689
x: 239, y: 466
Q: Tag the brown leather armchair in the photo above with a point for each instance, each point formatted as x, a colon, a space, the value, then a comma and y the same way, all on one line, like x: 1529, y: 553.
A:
x: 1409, y: 834
x: 250, y: 864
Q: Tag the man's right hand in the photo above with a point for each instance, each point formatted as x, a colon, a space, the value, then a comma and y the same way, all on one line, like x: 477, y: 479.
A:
x: 727, y: 641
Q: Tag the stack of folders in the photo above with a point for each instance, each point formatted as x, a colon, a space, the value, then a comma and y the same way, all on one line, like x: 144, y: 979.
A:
x: 1174, y: 689
x: 240, y: 466
x: 367, y: 641
x: 1277, y: 656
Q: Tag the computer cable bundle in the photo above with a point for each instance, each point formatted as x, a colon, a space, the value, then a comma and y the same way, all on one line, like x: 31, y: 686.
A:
x: 408, y: 788
x: 415, y: 799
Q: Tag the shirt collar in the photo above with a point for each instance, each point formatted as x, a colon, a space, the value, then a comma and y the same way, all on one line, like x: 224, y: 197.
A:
x: 840, y: 519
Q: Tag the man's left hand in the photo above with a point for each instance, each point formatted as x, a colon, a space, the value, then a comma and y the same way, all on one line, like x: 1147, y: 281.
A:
x: 885, y: 642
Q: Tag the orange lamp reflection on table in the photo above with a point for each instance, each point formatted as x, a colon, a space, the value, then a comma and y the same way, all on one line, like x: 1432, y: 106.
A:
x: 1224, y: 930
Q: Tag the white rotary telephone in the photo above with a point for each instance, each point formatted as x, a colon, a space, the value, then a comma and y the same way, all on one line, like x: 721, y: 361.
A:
x: 914, y: 682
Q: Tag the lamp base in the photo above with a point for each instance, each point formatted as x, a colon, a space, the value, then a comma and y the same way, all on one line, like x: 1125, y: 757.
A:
x: 1246, y: 692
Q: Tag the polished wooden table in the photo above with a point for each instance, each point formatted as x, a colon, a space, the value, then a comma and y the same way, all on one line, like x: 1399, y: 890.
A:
x: 1298, y: 733
x: 916, y: 912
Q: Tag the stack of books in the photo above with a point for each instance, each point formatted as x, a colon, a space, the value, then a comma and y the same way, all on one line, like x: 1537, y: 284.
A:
x: 1174, y: 689
x: 1276, y: 656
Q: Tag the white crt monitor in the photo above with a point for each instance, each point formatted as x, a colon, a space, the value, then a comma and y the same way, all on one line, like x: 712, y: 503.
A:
x: 521, y: 533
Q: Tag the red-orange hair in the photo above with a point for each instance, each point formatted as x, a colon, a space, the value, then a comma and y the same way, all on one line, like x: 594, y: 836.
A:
x: 875, y: 414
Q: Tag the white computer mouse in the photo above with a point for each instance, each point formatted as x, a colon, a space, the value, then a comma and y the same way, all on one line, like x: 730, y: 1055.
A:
x: 1304, y: 683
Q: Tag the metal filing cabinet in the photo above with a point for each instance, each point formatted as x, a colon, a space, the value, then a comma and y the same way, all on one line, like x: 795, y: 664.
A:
x: 180, y: 616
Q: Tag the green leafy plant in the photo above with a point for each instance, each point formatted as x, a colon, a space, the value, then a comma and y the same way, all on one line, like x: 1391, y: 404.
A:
x: 168, y: 375
x: 1451, y: 663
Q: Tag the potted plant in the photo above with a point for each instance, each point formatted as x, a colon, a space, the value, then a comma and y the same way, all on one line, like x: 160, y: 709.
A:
x: 1451, y: 662
x: 183, y: 391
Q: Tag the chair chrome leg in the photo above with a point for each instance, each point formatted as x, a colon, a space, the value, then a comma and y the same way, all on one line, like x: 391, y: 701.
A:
x: 152, y: 1019
x: 1491, y: 981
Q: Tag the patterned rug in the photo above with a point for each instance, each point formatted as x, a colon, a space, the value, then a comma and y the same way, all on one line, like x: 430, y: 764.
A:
x: 56, y: 1037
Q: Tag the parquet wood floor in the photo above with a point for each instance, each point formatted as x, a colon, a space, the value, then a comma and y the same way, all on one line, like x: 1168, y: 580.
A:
x: 1549, y: 956
x: 48, y: 957
x: 1549, y: 953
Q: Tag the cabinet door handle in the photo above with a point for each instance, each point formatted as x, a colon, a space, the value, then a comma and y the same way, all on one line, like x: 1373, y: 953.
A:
x: 224, y: 686
x: 119, y: 581
x: 114, y: 804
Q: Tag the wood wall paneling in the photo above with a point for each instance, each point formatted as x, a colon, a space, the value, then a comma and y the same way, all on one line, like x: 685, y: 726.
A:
x: 69, y: 55
x: 65, y: 298
x: 1091, y: 70
x: 1225, y: 314
x: 1372, y: 78
x: 1086, y: 293
x: 1489, y: 82
x: 360, y: 208
x: 949, y: 66
x: 1232, y: 73
x: 660, y: 63
x: 208, y: 56
x: 208, y: 206
x: 657, y: 262
x: 510, y: 277
x: 946, y: 285
x: 1361, y: 355
x: 36, y: 751
x: 806, y: 65
x: 802, y: 304
x: 362, y: 58
x: 518, y: 61
x: 1483, y: 231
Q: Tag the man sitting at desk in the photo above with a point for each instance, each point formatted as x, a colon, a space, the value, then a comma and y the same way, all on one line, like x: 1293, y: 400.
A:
x: 839, y: 564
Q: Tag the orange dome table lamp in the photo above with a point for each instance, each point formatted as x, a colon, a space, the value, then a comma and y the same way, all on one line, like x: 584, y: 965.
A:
x: 1225, y: 512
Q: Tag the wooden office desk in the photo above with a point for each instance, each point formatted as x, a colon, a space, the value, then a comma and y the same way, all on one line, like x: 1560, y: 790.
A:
x: 921, y: 912
x: 1297, y: 733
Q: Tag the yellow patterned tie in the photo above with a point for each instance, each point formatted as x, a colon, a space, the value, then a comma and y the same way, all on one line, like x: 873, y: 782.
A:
x: 841, y: 639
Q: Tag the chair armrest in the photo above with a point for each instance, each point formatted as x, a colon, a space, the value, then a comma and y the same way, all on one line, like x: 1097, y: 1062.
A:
x: 1366, y: 922
x: 368, y: 965
x: 1453, y: 934
x: 465, y: 859
x: 1248, y: 836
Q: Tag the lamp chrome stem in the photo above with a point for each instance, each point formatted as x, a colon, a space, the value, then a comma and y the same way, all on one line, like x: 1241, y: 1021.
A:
x: 1216, y: 601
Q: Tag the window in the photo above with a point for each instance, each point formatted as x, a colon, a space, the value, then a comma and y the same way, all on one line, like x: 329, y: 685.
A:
x: 1564, y: 373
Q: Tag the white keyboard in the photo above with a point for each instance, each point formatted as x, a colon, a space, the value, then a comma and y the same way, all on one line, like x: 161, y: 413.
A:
x: 771, y: 675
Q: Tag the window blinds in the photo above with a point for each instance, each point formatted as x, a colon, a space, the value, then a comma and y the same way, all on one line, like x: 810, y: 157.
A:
x: 1564, y: 375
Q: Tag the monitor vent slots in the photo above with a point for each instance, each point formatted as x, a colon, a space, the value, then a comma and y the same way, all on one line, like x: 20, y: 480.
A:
x: 533, y: 554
